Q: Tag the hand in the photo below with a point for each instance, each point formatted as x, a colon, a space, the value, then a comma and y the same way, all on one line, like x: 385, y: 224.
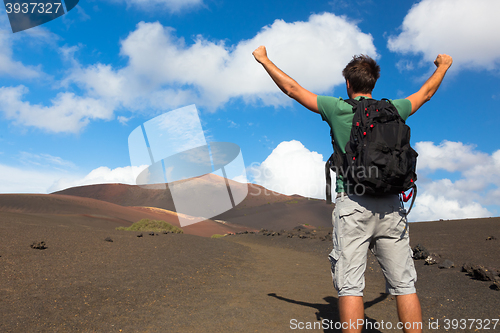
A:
x: 443, y: 60
x: 260, y: 53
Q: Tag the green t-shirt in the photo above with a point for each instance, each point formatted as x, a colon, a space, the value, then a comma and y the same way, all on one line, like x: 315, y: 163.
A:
x: 338, y: 114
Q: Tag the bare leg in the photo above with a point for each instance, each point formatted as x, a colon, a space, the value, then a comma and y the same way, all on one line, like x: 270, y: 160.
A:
x: 410, y: 313
x: 352, y: 311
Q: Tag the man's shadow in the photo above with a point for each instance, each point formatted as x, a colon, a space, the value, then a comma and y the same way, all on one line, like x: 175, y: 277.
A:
x: 330, y: 311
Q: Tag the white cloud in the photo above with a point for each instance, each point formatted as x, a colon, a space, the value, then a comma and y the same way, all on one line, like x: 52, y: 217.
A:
x: 477, y: 184
x: 464, y: 29
x: 478, y: 170
x: 169, y: 5
x: 164, y: 71
x: 449, y: 156
x: 68, y: 113
x: 47, y: 178
x: 292, y: 169
x: 26, y: 180
x: 99, y: 80
x: 44, y: 160
x: 123, y: 120
x: 432, y: 207
x: 405, y: 65
x: 10, y: 67
x: 101, y: 175
x: 28, y: 40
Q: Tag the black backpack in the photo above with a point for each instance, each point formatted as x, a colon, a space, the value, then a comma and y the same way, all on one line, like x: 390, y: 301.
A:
x: 378, y: 158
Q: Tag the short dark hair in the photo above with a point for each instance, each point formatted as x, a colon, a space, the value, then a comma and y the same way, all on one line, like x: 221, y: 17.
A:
x: 362, y: 72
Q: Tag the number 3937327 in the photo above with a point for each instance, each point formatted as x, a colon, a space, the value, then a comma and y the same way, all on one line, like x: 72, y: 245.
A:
x: 28, y: 14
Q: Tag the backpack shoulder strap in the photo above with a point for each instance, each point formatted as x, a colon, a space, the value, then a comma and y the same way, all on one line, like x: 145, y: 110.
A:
x: 328, y: 166
x: 353, y: 102
x: 330, y: 163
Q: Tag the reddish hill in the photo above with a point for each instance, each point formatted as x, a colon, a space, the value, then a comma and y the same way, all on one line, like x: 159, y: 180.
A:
x: 261, y: 208
x: 281, y: 215
x: 133, y: 195
x: 67, y: 209
x: 124, y: 195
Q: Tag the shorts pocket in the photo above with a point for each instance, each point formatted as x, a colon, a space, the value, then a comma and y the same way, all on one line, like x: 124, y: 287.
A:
x: 351, y: 222
x: 411, y: 267
x: 400, y: 223
x: 336, y: 269
x: 347, y: 211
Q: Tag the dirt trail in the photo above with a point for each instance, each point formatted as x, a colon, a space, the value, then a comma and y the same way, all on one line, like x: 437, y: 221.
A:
x: 288, y: 284
x: 281, y: 289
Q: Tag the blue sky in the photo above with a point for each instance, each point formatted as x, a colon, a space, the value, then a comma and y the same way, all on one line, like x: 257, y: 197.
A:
x: 72, y: 90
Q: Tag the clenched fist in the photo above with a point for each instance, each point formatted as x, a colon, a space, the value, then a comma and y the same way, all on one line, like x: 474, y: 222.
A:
x: 443, y: 60
x: 260, y: 53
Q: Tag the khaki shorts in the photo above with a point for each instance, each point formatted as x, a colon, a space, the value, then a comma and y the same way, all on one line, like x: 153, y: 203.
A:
x: 379, y: 224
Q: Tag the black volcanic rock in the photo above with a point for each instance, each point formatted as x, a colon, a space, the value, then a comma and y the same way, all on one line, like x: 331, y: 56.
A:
x: 479, y: 272
x: 496, y: 284
x: 38, y: 245
x: 420, y: 252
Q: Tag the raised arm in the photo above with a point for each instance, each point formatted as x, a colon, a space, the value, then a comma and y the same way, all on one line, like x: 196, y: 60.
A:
x: 288, y: 85
x: 442, y: 62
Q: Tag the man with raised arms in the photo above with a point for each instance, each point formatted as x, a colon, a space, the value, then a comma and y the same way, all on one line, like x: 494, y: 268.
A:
x: 363, y: 222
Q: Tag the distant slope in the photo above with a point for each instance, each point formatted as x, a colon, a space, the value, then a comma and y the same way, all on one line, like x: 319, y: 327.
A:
x: 281, y: 215
x: 261, y: 208
x: 71, y: 210
x: 133, y: 195
x: 124, y: 195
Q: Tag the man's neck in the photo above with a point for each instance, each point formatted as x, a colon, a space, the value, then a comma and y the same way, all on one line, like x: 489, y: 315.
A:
x: 354, y: 95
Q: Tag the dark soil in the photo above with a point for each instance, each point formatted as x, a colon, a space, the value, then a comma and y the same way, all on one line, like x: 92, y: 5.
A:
x: 241, y: 283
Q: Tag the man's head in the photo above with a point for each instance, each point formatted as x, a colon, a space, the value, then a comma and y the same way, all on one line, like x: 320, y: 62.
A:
x: 361, y: 74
